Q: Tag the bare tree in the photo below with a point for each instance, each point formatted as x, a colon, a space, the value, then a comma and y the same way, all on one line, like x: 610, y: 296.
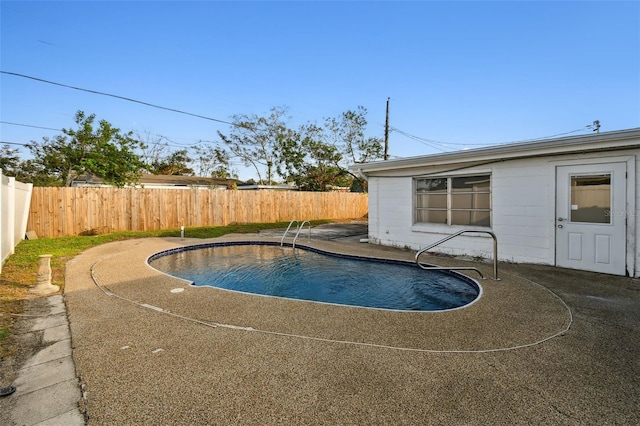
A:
x: 154, y: 147
x: 255, y: 140
x: 211, y: 161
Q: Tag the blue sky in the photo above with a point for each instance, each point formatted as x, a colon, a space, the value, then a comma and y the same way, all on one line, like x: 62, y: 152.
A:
x: 465, y: 74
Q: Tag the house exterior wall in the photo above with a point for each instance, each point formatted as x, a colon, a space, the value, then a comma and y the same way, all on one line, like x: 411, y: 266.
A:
x: 523, y: 209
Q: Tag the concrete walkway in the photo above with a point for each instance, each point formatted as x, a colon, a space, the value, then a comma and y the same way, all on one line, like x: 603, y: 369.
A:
x: 47, y: 388
x: 147, y: 354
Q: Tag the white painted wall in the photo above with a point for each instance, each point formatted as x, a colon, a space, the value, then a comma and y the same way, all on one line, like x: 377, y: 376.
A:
x: 523, y: 211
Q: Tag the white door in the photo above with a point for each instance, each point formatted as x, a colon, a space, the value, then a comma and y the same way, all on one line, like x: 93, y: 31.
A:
x: 591, y: 217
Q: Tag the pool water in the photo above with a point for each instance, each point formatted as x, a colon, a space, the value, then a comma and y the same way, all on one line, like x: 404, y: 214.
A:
x: 317, y: 276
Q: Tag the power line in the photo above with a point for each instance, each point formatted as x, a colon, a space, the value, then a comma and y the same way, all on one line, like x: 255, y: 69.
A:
x: 423, y: 141
x: 14, y: 143
x: 29, y: 125
x: 433, y: 143
x: 190, y: 145
x: 555, y: 136
x: 172, y: 143
x: 117, y: 97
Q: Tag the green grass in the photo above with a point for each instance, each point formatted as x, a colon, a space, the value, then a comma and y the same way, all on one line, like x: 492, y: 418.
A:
x: 20, y: 270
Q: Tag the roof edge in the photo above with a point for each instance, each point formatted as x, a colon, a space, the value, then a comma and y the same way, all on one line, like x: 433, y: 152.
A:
x: 620, y: 138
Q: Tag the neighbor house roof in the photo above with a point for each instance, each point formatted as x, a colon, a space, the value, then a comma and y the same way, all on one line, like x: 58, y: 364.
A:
x: 606, y: 141
x: 256, y: 187
x: 164, y: 181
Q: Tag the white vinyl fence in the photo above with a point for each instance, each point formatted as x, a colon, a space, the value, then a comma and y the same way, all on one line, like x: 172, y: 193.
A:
x: 15, y: 199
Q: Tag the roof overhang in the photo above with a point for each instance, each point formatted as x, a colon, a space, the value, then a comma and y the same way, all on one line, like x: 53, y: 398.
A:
x: 606, y: 141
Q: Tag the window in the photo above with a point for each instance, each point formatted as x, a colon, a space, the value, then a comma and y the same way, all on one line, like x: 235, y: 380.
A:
x: 454, y: 200
x: 591, y: 198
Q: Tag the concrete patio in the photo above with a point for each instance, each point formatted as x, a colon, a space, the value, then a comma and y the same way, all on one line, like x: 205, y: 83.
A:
x: 542, y: 346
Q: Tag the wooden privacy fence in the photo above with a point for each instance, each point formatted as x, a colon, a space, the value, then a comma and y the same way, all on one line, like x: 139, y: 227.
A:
x: 60, y: 211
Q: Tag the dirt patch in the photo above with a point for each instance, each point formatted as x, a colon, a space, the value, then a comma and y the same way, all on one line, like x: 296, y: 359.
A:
x: 22, y: 343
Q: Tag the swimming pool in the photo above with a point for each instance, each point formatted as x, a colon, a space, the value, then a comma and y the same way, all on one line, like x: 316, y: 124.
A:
x: 305, y: 273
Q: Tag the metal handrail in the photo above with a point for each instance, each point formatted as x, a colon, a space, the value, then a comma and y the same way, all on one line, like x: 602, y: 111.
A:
x: 285, y: 232
x: 300, y: 230
x: 464, y: 231
x: 452, y: 268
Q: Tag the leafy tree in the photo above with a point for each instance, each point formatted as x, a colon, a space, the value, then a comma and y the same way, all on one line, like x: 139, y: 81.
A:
x: 103, y: 151
x: 34, y: 172
x: 314, y: 157
x: 255, y: 141
x: 290, y: 155
x: 175, y: 164
x: 221, y: 172
x: 9, y: 160
x: 347, y: 133
x: 308, y: 161
x: 24, y: 171
x: 317, y: 156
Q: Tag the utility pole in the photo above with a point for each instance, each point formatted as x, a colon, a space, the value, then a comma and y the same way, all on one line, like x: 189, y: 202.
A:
x: 386, y: 133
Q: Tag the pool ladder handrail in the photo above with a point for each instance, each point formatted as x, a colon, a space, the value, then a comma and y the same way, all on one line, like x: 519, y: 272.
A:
x: 299, y: 228
x: 447, y: 238
x: 287, y: 230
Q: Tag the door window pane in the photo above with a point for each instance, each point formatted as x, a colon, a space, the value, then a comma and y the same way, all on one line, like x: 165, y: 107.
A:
x: 591, y: 198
